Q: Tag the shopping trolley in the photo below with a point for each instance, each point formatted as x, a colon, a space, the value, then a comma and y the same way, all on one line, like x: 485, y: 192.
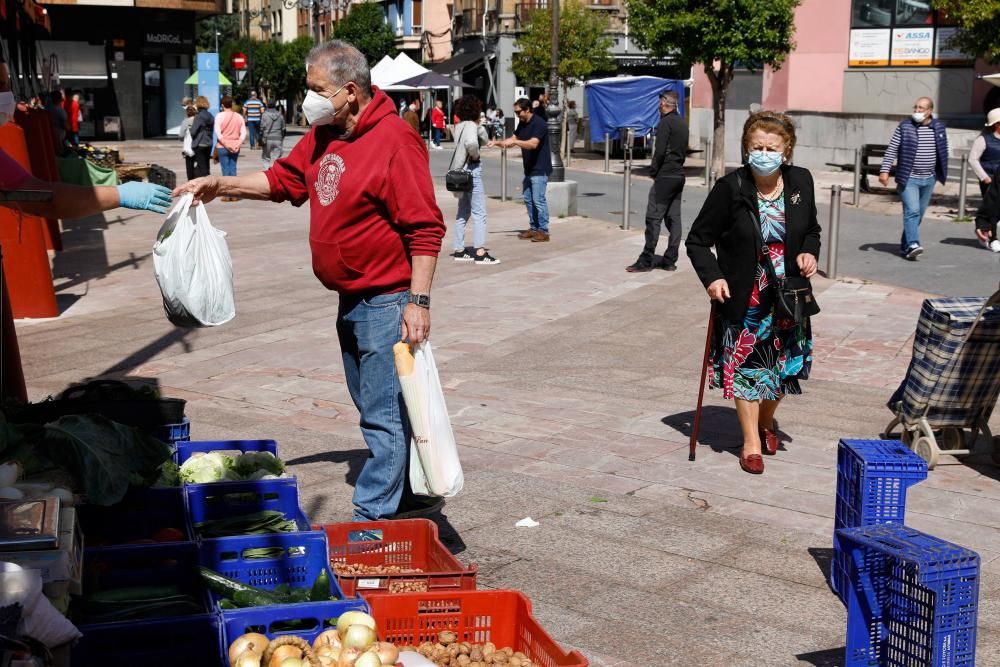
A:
x: 953, y: 381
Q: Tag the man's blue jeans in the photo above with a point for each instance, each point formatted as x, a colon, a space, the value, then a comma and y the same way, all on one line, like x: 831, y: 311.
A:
x: 367, y: 329
x: 252, y: 126
x: 533, y: 188
x: 472, y: 204
x: 227, y: 161
x: 916, y: 196
x: 437, y: 136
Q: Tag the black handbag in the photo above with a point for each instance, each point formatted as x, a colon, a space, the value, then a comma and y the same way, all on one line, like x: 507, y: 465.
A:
x: 458, y: 180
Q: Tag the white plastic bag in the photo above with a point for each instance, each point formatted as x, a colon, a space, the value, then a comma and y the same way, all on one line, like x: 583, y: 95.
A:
x: 38, y: 617
x: 193, y: 268
x: 434, y: 466
x: 188, y: 147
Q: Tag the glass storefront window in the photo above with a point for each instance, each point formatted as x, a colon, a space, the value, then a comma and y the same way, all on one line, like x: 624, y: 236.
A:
x: 873, y: 13
x: 914, y: 12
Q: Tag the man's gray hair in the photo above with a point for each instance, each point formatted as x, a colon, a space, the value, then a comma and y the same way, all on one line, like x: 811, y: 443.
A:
x: 342, y: 63
x: 670, y: 97
x: 930, y: 102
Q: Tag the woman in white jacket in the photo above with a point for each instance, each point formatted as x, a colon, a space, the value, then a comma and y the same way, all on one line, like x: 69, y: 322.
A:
x: 470, y: 136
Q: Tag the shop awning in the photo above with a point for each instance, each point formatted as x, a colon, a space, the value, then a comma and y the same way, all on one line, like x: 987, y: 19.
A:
x: 193, y: 80
x: 459, y: 62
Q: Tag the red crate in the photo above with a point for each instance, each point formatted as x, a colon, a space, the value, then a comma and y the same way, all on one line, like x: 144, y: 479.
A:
x: 501, y: 617
x: 407, y: 543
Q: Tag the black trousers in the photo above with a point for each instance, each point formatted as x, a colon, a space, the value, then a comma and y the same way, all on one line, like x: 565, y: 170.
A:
x: 202, y: 160
x: 664, y: 204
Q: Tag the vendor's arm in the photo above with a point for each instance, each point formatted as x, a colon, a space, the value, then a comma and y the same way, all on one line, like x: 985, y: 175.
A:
x: 207, y: 188
x: 79, y: 201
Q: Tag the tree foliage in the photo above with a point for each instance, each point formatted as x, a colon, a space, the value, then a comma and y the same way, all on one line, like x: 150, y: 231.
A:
x: 365, y: 28
x: 278, y: 68
x: 719, y: 35
x: 583, y: 46
x: 979, y: 26
x: 227, y: 25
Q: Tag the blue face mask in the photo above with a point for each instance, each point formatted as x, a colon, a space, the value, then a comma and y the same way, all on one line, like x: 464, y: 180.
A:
x: 765, y: 163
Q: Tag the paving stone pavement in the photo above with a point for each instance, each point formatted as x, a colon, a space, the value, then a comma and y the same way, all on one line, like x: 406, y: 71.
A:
x: 571, y: 385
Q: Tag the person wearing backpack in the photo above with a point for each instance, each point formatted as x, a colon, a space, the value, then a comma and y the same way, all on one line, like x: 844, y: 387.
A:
x: 470, y: 136
x: 187, y: 149
x: 272, y: 134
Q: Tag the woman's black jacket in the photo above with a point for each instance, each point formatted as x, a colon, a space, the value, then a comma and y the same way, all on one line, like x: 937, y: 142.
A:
x: 202, y: 129
x: 726, y: 222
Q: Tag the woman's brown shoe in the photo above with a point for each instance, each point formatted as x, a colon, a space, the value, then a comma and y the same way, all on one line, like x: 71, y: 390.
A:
x: 752, y: 463
x: 769, y: 439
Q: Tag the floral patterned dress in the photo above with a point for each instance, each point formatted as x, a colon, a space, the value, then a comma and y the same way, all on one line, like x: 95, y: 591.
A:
x: 763, y: 358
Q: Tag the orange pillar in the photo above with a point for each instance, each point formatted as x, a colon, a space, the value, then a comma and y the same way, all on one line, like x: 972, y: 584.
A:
x: 38, y: 134
x: 25, y: 260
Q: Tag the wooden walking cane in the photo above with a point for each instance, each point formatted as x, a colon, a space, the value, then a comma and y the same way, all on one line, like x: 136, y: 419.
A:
x: 701, y: 387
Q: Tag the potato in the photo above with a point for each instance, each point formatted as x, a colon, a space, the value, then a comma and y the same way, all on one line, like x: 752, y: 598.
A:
x: 508, y: 650
x: 499, y: 657
x: 454, y: 650
x: 520, y: 655
x: 476, y: 654
x: 514, y: 662
x: 489, y: 647
x: 447, y: 637
x: 463, y: 660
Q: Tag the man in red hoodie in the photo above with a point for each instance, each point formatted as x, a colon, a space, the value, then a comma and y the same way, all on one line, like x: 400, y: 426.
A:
x: 375, y: 233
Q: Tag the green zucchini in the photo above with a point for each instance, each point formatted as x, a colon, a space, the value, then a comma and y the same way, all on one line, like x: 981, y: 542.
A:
x: 321, y: 587
x: 256, y: 598
x: 228, y: 588
x: 134, y: 593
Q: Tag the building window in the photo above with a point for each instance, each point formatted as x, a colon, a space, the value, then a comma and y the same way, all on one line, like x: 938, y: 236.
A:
x: 901, y: 33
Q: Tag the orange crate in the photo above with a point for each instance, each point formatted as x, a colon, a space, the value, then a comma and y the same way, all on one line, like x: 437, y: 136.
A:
x: 501, y: 617
x: 407, y: 543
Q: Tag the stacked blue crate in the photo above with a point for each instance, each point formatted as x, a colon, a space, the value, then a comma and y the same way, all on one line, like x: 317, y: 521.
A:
x: 912, y: 599
x: 872, y: 479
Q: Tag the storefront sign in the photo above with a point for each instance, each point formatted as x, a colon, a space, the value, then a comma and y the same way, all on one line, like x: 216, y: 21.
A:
x: 944, y: 53
x: 869, y: 48
x: 168, y: 39
x: 912, y: 47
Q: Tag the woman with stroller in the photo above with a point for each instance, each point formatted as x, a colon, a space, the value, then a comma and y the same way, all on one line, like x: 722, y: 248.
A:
x: 761, y: 221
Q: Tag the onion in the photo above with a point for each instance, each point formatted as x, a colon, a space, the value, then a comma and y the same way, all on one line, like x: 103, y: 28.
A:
x: 331, y: 652
x: 249, y: 658
x: 349, y: 618
x: 326, y: 661
x: 9, y: 472
x: 293, y: 662
x: 387, y: 652
x: 368, y: 659
x: 347, y: 657
x: 251, y: 641
x: 283, y: 653
x: 328, y: 638
x: 359, y: 636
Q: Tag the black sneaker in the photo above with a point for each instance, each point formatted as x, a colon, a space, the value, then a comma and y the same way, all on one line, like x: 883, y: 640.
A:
x: 913, y: 252
x: 639, y: 267
x: 462, y: 256
x: 667, y: 266
x: 414, y: 506
x: 486, y: 258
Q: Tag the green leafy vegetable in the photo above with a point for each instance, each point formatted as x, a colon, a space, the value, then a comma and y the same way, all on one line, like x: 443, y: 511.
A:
x: 205, y: 468
x: 253, y: 462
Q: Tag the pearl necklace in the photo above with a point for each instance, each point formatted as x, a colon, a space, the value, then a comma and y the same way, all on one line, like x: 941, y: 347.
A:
x: 779, y: 189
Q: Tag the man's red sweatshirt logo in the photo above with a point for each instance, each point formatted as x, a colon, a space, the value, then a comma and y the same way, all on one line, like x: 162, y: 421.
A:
x: 328, y: 180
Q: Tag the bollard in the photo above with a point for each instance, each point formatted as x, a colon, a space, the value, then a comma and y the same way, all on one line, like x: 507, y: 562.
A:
x: 857, y: 177
x: 834, y: 233
x: 708, y: 162
x: 711, y: 179
x: 627, y: 193
x: 607, y: 153
x: 503, y: 174
x: 962, y: 185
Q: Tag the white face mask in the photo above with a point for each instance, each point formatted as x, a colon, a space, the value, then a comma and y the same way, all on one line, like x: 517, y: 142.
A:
x: 918, y: 116
x: 8, y: 104
x: 319, y: 110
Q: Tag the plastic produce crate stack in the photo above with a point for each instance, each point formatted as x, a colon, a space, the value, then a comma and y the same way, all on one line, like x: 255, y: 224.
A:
x: 224, y: 500
x: 172, y: 433
x: 409, y: 544
x: 912, y: 599
x: 188, y: 448
x: 501, y: 617
x: 149, y: 516
x: 191, y: 642
x: 872, y: 479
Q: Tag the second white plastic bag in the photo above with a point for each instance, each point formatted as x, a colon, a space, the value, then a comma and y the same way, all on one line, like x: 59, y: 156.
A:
x: 435, y: 469
x: 193, y: 268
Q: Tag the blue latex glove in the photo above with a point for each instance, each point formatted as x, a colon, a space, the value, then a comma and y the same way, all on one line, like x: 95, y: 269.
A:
x: 144, y: 196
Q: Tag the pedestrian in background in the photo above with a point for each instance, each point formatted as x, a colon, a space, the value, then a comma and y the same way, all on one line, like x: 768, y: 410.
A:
x: 375, y: 233
x: 57, y: 120
x: 230, y: 132
x: 202, y: 131
x: 253, y: 111
x: 190, y: 158
x: 532, y: 137
x: 987, y: 216
x: 667, y: 171
x: 572, y: 125
x: 438, y: 124
x: 470, y: 136
x: 412, y: 116
x: 272, y: 134
x: 73, y: 117
x: 761, y: 221
x: 921, y: 145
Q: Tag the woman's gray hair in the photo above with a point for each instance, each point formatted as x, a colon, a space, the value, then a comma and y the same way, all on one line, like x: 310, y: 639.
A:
x: 342, y: 63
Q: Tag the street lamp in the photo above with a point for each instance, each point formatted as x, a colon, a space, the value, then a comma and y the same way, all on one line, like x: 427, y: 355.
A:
x: 265, y: 27
x: 554, y: 112
x: 314, y: 7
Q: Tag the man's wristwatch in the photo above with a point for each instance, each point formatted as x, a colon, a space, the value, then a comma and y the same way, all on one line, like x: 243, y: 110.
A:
x: 422, y: 300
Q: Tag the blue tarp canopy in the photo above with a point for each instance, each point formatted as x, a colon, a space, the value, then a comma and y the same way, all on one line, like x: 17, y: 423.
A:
x: 627, y: 101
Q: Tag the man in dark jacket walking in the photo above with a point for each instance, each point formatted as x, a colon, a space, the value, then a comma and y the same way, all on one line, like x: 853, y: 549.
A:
x: 921, y: 144
x: 667, y: 170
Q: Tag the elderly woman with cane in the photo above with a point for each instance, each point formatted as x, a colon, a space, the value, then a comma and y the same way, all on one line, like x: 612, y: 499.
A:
x: 761, y: 220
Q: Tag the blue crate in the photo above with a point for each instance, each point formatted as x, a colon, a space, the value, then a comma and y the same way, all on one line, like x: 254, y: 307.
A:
x: 221, y: 500
x: 912, y: 599
x: 194, y: 641
x: 170, y: 433
x: 139, y: 515
x: 872, y: 479
x: 304, y: 556
x: 157, y: 565
x: 314, y: 616
x: 186, y: 449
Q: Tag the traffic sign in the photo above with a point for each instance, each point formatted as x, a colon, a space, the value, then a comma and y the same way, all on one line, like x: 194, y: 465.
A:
x: 239, y: 61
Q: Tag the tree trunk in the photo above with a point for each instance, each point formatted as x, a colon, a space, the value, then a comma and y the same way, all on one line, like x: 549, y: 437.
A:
x: 720, y: 86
